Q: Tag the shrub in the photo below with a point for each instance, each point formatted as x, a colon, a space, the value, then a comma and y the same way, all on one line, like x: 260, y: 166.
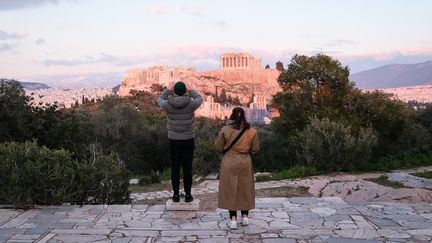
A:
x: 149, y: 179
x: 415, y: 137
x: 120, y: 128
x: 15, y: 113
x: 103, y: 179
x: 297, y: 171
x: 38, y: 175
x: 277, y: 152
x: 206, y: 159
x: 329, y: 146
x: 405, y: 159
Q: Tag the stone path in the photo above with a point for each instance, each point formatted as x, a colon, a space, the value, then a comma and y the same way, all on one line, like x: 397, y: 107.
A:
x: 410, y: 181
x: 300, y: 219
x: 211, y: 186
x: 351, y: 188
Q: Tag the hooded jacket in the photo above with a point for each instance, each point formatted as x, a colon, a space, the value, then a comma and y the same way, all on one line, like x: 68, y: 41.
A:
x: 180, y: 113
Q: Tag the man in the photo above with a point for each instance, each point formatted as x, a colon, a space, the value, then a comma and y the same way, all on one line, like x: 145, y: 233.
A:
x: 180, y: 108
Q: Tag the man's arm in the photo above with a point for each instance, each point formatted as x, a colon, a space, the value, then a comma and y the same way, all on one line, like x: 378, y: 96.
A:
x: 197, y: 99
x: 163, y: 98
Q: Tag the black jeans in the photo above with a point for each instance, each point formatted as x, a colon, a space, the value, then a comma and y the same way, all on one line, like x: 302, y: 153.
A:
x: 181, y: 152
x: 234, y: 213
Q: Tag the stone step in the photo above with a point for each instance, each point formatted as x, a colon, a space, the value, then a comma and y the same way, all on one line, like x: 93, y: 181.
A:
x: 182, y: 205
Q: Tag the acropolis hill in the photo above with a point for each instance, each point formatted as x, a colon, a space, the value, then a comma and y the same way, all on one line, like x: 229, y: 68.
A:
x: 240, y: 75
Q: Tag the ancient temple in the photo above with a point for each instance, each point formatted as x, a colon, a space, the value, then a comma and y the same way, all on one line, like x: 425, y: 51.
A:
x: 240, y: 61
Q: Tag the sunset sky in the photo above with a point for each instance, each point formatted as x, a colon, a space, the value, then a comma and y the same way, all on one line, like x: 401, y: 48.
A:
x: 58, y: 41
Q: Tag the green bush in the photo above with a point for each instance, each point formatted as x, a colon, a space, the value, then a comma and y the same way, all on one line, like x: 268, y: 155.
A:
x: 297, y: 171
x: 103, y: 179
x: 402, y: 160
x: 37, y: 175
x: 16, y: 114
x: 415, y: 137
x: 277, y: 152
x: 121, y: 128
x: 206, y: 159
x: 329, y: 146
x: 165, y: 175
x: 149, y: 179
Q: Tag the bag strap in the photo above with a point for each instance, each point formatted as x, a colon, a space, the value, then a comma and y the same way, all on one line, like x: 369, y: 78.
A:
x: 234, y: 141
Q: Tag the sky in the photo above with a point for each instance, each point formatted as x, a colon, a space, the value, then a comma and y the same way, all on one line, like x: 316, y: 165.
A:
x: 71, y: 42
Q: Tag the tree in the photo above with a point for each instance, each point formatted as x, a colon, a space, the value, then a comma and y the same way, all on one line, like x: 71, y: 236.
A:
x: 267, y: 66
x: 223, y: 97
x: 280, y: 66
x: 318, y: 87
x: 156, y: 88
x: 312, y: 86
x: 15, y: 112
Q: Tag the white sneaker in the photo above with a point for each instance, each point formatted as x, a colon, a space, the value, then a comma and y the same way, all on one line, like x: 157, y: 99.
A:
x: 245, y: 221
x: 233, y: 224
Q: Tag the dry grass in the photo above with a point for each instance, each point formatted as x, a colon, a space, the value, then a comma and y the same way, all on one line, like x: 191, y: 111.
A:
x: 384, y: 181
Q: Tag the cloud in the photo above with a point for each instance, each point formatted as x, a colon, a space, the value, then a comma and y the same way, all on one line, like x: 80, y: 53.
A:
x: 203, y: 57
x: 104, y: 58
x: 193, y: 11
x: 7, y: 47
x: 157, y: 9
x: 40, y: 41
x: 20, y: 4
x: 340, y: 42
x: 5, y: 36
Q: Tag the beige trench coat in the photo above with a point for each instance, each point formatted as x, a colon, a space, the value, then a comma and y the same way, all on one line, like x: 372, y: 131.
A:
x: 236, y: 178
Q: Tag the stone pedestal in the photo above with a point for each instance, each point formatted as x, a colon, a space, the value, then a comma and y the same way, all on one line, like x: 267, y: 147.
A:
x: 182, y: 209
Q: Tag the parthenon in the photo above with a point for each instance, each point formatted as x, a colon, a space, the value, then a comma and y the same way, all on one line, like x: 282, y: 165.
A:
x: 240, y: 61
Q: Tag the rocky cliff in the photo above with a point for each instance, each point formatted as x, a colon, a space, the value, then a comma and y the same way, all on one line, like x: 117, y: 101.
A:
x: 236, y: 83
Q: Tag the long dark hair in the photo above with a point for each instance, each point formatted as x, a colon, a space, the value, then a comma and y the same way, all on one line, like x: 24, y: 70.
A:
x: 239, y: 118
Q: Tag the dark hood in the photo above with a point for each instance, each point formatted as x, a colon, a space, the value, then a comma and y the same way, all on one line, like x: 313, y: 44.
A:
x: 179, y: 101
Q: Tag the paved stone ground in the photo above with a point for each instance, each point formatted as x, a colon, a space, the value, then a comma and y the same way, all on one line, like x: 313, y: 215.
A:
x: 211, y: 186
x: 353, y: 188
x: 302, y: 219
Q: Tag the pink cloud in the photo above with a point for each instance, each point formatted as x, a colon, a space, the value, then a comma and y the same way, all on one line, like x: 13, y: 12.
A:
x: 157, y: 9
x: 17, y: 35
x: 193, y: 10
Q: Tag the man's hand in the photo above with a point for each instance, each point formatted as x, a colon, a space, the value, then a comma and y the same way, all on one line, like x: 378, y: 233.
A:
x: 171, y: 85
x: 189, y: 86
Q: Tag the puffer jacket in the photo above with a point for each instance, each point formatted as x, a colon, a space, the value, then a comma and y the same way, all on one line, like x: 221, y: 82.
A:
x: 180, y: 113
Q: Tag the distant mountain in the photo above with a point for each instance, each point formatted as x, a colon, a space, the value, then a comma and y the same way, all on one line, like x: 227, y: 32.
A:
x: 394, y: 75
x: 95, y: 80
x: 30, y: 85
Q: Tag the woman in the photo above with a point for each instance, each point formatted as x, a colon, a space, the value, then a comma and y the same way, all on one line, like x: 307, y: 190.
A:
x: 236, y: 180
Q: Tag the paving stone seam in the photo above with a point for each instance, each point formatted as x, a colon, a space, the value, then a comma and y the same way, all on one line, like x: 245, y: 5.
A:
x: 48, y: 235
x: 199, y: 191
x: 93, y: 223
x: 13, y: 217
